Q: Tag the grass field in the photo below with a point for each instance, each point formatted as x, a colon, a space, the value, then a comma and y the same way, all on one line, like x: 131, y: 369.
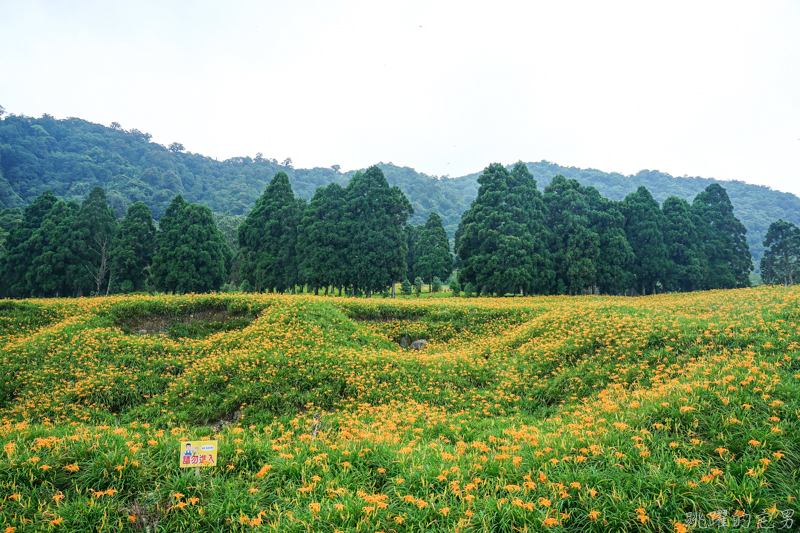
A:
x: 663, y: 413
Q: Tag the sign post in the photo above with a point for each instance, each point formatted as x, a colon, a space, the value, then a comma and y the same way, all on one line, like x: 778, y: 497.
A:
x: 198, y: 454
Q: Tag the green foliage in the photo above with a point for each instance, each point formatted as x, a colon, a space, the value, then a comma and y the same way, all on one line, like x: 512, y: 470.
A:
x: 433, y: 250
x: 406, y: 287
x: 268, y: 238
x: 469, y: 290
x: 134, y: 247
x: 503, y: 244
x: 418, y: 283
x: 94, y: 227
x: 723, y: 238
x: 436, y: 284
x: 687, y: 260
x: 455, y: 286
x: 55, y: 264
x: 377, y: 214
x: 323, y: 239
x: 781, y: 261
x: 191, y: 254
x: 16, y: 263
x: 644, y: 228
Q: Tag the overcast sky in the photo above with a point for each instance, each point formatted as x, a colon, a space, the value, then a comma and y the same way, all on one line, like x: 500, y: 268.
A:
x: 692, y: 88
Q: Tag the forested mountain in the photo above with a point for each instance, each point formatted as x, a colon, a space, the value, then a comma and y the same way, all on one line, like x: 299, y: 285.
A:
x: 72, y: 156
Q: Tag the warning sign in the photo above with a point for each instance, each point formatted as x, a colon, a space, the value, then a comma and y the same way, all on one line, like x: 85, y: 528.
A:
x: 196, y: 453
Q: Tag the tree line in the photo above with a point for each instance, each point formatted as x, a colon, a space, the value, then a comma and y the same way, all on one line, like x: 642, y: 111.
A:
x: 71, y: 156
x: 513, y: 239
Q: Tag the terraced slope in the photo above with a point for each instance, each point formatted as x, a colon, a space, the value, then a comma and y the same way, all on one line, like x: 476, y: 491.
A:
x: 552, y: 413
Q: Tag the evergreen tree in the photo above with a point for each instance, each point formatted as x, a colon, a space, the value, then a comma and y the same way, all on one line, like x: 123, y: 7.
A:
x: 54, y: 262
x: 92, y: 237
x: 133, y: 249
x: 687, y: 263
x: 323, y: 239
x: 191, y: 253
x: 377, y: 214
x: 574, y: 246
x: 434, y: 259
x: 412, y: 256
x: 616, y: 258
x: 723, y: 238
x: 644, y: 228
x: 16, y: 263
x: 406, y: 288
x: 268, y: 238
x: 501, y: 245
x: 781, y: 259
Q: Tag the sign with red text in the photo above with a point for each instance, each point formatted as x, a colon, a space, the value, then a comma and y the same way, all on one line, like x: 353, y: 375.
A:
x: 197, y: 453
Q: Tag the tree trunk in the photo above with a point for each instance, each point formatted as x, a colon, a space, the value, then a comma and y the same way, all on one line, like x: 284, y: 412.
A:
x: 392, y: 289
x: 368, y: 292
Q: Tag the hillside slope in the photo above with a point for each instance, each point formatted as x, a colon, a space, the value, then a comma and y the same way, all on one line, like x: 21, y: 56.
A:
x: 71, y: 156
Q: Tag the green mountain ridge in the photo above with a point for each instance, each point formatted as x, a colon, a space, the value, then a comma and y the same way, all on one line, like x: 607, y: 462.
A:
x: 71, y: 156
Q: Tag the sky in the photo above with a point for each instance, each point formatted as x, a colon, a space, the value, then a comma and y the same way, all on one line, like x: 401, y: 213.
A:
x: 697, y: 88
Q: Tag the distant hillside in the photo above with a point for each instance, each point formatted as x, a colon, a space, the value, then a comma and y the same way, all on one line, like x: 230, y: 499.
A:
x: 71, y: 156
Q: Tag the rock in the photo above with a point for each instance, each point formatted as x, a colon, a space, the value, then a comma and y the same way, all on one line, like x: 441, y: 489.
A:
x: 142, y: 332
x: 419, y: 344
x: 404, y: 342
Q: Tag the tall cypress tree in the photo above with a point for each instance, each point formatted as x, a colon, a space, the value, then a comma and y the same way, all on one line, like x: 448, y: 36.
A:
x: 322, y: 239
x: 435, y: 259
x: 17, y: 261
x: 781, y: 259
x: 644, y: 228
x: 92, y: 239
x: 687, y: 262
x: 616, y: 257
x: 268, y: 238
x: 377, y: 214
x: 54, y: 261
x: 498, y: 247
x: 412, y: 256
x: 191, y: 252
x: 723, y: 238
x: 575, y: 247
x: 133, y: 249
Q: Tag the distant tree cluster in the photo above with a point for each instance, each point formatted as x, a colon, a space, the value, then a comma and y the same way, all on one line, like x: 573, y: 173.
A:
x: 566, y: 239
x: 58, y: 248
x: 349, y: 236
x: 570, y: 240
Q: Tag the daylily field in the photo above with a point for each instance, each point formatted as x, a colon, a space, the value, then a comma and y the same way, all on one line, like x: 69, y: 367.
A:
x: 674, y: 412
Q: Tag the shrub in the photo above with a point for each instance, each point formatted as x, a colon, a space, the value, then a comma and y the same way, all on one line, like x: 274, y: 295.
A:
x: 405, y: 287
x: 455, y: 286
x: 469, y: 290
x: 436, y: 284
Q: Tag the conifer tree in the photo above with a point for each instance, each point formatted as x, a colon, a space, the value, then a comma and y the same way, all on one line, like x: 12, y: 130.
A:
x: 687, y: 263
x: 435, y: 259
x: 377, y: 214
x: 92, y: 238
x: 781, y: 259
x: 501, y: 245
x: 616, y: 257
x: 322, y: 239
x: 268, y: 238
x: 574, y: 246
x: 191, y: 253
x: 644, y: 228
x: 412, y: 255
x: 17, y: 261
x: 133, y: 249
x: 723, y: 239
x: 54, y: 262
